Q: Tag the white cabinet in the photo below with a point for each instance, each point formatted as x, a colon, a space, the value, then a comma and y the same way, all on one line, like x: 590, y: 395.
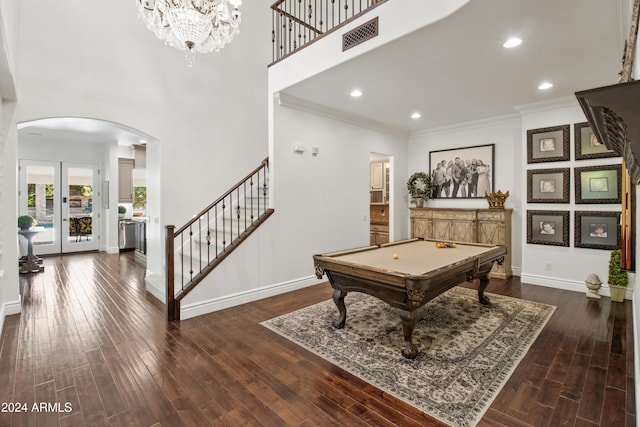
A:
x: 379, y: 182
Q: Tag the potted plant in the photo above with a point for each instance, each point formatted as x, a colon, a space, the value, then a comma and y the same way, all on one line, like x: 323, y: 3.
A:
x: 25, y: 222
x: 121, y: 211
x: 618, y: 278
x: 419, y: 187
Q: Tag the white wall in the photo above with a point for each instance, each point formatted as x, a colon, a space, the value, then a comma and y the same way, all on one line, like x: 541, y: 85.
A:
x: 505, y: 133
x: 9, y: 290
x: 321, y: 204
x: 569, y: 266
x: 210, y: 120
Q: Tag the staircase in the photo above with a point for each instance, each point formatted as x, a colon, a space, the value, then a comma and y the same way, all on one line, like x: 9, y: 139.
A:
x: 199, y: 246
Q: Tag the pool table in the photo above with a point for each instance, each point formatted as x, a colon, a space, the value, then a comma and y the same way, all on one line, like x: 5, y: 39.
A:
x: 406, y: 275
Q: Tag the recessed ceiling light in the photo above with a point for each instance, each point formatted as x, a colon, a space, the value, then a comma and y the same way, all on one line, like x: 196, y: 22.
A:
x: 142, y: 141
x: 545, y: 86
x: 416, y: 116
x: 356, y: 93
x: 512, y: 42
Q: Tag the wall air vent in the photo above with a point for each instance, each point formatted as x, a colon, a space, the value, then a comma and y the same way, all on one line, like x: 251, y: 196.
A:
x: 360, y: 34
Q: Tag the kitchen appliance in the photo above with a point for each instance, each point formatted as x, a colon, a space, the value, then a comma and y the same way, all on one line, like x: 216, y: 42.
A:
x: 126, y: 234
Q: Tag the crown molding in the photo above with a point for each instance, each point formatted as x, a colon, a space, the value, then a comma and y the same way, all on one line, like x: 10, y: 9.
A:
x: 554, y: 104
x: 290, y: 101
x: 475, y: 124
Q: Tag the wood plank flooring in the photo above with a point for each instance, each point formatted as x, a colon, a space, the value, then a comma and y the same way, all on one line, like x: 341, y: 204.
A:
x: 94, y: 347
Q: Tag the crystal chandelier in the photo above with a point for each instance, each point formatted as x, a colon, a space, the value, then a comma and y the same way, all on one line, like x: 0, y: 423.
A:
x: 192, y: 25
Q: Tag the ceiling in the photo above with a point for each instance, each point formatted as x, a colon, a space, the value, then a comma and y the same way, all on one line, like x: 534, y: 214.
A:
x: 451, y: 72
x: 456, y: 70
x: 80, y: 129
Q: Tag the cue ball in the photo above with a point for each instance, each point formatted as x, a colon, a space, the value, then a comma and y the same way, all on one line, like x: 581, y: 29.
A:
x: 395, y: 256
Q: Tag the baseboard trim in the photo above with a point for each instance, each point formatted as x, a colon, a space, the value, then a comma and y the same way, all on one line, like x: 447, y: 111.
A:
x: 7, y: 309
x: 188, y: 311
x: 156, y: 286
x: 567, y: 285
x: 112, y: 250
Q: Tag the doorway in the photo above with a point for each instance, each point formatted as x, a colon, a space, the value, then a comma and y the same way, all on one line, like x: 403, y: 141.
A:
x: 64, y: 198
x: 380, y: 199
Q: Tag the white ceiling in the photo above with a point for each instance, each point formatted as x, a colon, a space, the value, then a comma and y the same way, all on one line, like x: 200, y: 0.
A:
x: 81, y: 129
x: 456, y: 70
x: 453, y: 71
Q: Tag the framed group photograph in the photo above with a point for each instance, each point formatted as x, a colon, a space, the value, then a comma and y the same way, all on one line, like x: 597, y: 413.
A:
x: 548, y: 185
x: 587, y: 145
x: 548, y: 228
x: 598, y: 184
x: 462, y: 173
x: 597, y: 230
x: 548, y: 144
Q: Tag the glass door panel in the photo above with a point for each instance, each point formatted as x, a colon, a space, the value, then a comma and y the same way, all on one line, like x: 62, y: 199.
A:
x: 40, y: 198
x: 79, y: 218
x: 62, y: 197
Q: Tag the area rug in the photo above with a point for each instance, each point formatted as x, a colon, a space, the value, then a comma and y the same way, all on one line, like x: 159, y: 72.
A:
x: 467, y: 350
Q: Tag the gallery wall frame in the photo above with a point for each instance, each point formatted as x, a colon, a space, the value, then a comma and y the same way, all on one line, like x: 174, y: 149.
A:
x: 598, y: 184
x: 478, y: 163
x: 548, y: 228
x: 587, y: 145
x: 548, y: 185
x: 549, y: 144
x: 597, y: 230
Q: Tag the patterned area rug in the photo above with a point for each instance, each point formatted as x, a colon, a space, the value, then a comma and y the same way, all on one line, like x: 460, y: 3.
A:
x: 467, y: 351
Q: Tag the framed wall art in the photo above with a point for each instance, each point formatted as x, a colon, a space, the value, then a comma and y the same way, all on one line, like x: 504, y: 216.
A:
x: 587, y: 145
x: 598, y: 184
x: 548, y: 144
x: 548, y: 185
x: 597, y: 230
x: 462, y: 173
x: 548, y: 228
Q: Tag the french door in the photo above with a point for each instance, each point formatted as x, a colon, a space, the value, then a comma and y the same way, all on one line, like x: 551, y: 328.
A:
x: 64, y: 198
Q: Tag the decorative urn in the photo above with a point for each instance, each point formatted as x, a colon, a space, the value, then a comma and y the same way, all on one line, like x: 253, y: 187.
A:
x: 593, y: 283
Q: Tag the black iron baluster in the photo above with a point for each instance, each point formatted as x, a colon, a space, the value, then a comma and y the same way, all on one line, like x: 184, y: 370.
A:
x: 224, y: 232
x: 238, y: 209
x: 190, y: 252
x: 182, y: 260
x: 215, y: 219
x: 208, y: 237
x: 251, y: 186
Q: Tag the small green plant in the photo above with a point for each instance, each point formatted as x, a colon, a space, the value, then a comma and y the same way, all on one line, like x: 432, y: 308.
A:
x: 617, y: 276
x: 26, y: 221
x: 122, y: 209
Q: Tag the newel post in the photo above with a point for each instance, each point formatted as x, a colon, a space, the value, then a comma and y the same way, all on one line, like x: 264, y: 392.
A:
x: 173, y: 307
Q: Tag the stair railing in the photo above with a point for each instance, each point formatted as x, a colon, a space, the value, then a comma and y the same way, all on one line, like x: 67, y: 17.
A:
x: 296, y: 23
x: 199, y: 246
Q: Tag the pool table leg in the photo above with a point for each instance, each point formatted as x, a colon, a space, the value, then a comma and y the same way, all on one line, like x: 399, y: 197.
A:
x: 484, y: 281
x: 338, y: 298
x: 409, y: 318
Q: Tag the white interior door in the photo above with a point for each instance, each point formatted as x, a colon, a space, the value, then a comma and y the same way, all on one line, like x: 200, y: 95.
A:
x: 63, y: 198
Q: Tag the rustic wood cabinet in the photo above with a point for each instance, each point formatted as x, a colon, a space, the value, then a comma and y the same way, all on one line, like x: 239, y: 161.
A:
x: 378, y: 234
x: 125, y: 180
x: 492, y: 226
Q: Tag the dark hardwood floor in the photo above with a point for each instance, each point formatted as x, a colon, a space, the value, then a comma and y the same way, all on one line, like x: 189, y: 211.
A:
x: 94, y: 347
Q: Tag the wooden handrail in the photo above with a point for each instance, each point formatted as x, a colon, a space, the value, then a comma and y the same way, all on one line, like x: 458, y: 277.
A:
x: 220, y: 221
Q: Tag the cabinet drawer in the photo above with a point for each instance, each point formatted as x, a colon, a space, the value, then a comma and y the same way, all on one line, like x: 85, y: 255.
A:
x: 379, y: 228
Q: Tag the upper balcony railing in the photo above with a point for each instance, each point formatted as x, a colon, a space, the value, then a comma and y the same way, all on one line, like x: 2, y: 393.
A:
x: 296, y: 23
